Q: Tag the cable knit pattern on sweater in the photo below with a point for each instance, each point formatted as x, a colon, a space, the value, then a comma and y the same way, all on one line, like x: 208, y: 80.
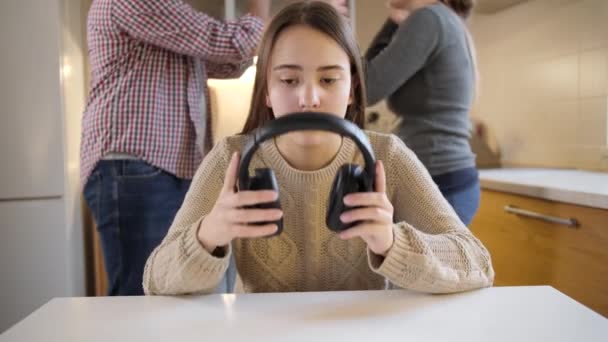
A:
x: 433, y: 251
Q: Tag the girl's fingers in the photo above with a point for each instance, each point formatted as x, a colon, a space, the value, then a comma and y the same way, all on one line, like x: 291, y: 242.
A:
x: 245, y: 216
x: 253, y: 231
x: 244, y: 198
x: 363, y: 230
x: 380, y: 177
x: 367, y: 199
x: 373, y: 214
x: 231, y: 174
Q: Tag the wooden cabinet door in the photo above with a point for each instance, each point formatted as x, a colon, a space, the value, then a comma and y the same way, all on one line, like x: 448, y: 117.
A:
x: 529, y: 251
x: 96, y: 276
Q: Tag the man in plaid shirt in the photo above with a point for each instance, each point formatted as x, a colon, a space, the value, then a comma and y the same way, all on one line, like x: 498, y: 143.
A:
x: 145, y: 128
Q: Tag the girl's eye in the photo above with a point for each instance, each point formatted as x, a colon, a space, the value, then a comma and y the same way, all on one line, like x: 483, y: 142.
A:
x: 289, y: 81
x: 328, y: 81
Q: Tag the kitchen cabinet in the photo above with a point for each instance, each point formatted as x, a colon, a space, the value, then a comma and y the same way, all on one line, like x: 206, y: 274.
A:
x: 98, y: 280
x: 536, y: 250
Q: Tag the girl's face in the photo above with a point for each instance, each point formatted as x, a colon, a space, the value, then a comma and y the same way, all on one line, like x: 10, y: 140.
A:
x: 308, y: 71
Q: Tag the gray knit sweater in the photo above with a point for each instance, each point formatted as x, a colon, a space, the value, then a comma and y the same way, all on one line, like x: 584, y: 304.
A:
x: 425, y: 68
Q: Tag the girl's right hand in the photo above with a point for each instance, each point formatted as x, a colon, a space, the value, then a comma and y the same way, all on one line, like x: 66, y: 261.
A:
x: 229, y: 220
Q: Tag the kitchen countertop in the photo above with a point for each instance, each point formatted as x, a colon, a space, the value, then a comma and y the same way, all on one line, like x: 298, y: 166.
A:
x: 579, y: 187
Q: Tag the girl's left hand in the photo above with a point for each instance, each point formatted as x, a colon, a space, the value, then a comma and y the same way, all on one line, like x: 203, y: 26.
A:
x: 376, y: 213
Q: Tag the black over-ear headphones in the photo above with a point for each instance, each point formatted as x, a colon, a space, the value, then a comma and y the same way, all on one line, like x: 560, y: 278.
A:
x: 350, y: 178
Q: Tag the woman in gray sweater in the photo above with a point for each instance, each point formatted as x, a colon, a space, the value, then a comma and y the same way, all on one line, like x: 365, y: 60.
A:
x: 422, y: 61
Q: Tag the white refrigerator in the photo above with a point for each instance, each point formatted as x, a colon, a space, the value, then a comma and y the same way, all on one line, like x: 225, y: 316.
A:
x: 41, y: 244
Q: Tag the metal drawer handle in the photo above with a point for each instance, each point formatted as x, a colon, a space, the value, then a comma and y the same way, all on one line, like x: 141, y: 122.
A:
x: 570, y: 222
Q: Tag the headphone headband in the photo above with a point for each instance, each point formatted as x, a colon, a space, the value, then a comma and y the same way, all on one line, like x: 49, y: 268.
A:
x: 306, y: 121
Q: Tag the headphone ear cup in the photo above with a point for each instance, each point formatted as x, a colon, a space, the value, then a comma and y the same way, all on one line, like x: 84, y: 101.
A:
x: 264, y: 179
x: 349, y: 179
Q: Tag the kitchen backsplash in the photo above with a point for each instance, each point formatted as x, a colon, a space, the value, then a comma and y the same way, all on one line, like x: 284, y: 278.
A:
x: 544, y: 82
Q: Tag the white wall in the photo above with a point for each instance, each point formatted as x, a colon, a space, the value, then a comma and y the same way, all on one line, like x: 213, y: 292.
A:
x: 544, y: 82
x: 41, y: 249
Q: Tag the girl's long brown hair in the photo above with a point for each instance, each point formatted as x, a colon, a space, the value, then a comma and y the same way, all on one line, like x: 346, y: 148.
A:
x: 324, y: 18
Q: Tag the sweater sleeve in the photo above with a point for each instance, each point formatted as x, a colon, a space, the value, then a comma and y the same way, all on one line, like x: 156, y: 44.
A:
x: 433, y: 250
x: 180, y: 264
x: 397, y: 53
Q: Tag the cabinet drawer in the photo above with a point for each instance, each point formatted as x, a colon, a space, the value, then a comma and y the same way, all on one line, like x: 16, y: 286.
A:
x: 531, y: 251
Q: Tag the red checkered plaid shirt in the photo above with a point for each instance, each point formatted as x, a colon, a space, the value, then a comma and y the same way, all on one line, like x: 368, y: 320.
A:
x: 150, y: 60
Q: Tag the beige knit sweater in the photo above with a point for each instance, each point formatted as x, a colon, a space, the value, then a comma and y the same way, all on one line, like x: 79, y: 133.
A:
x: 432, y: 252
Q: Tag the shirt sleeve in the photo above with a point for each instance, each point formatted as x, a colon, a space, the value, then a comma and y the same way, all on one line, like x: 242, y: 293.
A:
x: 180, y: 264
x: 226, y: 70
x: 433, y: 250
x: 176, y: 26
x: 398, y: 52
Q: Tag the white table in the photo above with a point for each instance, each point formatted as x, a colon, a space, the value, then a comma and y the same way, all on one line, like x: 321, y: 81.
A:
x: 495, y: 314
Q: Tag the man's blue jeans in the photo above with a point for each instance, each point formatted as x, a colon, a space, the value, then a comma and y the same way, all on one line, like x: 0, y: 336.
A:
x: 133, y: 204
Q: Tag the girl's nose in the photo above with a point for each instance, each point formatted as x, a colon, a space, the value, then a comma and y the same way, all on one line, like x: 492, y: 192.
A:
x: 309, y: 98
